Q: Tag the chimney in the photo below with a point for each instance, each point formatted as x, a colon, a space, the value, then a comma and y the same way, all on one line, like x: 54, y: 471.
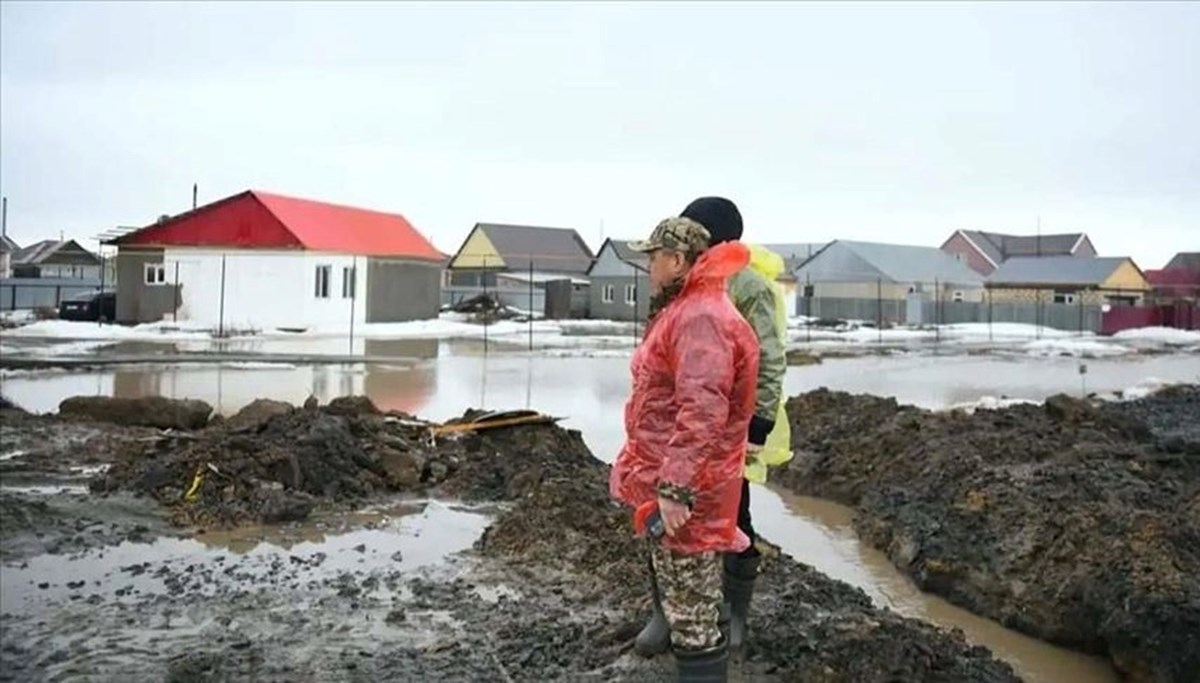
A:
x: 195, y: 189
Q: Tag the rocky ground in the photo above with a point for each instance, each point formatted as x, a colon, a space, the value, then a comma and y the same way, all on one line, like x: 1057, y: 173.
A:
x: 1075, y: 521
x: 136, y: 580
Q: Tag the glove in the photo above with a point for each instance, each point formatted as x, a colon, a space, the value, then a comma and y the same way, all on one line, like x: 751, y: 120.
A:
x: 760, y: 428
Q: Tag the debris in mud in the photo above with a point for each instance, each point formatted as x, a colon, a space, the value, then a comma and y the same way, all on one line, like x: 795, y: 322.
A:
x: 271, y: 464
x: 1075, y: 521
x: 150, y: 411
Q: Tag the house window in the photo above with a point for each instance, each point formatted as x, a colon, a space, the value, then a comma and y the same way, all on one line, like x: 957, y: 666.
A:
x: 912, y: 289
x: 608, y: 294
x: 958, y: 297
x: 1064, y: 298
x: 349, y: 281
x: 631, y: 294
x: 322, y: 290
x: 156, y: 274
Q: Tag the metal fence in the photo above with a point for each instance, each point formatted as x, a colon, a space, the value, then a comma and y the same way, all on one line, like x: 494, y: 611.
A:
x: 22, y: 293
x: 933, y: 304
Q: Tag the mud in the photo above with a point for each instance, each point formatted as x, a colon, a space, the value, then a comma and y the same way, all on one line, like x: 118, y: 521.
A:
x: 151, y: 411
x: 1073, y: 521
x: 554, y: 589
x: 274, y: 463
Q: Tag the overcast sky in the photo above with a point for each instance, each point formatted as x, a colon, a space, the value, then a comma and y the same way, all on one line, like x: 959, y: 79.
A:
x: 884, y: 122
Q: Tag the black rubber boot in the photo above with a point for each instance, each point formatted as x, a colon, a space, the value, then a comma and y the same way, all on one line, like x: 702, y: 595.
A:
x: 740, y: 574
x: 655, y: 636
x: 704, y: 666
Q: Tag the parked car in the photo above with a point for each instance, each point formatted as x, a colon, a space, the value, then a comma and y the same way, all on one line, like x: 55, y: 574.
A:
x: 91, y: 306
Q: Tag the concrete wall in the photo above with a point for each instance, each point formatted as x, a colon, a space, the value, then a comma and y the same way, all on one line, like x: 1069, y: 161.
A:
x: 402, y: 290
x: 137, y: 301
x: 265, y: 289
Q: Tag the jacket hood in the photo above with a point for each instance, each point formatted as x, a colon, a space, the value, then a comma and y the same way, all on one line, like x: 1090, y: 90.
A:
x: 718, y: 264
x: 766, y: 262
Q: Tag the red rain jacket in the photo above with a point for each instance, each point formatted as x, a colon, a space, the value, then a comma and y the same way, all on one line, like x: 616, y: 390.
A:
x: 694, y: 378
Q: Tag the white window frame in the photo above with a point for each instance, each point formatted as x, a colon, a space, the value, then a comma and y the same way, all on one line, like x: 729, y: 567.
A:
x: 324, y: 273
x: 958, y: 297
x: 154, y: 274
x: 630, y: 294
x: 1067, y: 299
x: 608, y: 294
x: 349, y: 282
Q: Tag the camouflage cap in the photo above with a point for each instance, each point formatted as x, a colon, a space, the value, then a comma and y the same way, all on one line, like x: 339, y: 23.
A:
x: 677, y: 234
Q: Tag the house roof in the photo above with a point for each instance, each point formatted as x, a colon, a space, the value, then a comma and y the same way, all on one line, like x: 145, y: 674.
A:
x: 851, y: 261
x: 8, y: 245
x: 1174, y: 277
x: 262, y: 220
x: 1000, y: 247
x: 558, y: 250
x: 1188, y: 260
x: 797, y: 253
x: 41, y: 252
x: 1056, y: 270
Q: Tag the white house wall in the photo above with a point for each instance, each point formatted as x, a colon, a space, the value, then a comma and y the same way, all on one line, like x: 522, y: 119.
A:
x: 264, y: 289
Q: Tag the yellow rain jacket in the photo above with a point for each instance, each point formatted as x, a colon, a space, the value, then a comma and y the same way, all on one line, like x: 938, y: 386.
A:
x: 760, y: 300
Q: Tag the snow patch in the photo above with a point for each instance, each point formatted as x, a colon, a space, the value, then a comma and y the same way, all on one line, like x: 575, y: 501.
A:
x: 992, y: 403
x: 1169, y: 336
x: 1076, y: 348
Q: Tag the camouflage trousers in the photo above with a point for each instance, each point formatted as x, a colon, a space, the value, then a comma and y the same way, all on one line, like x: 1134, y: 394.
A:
x: 689, y: 589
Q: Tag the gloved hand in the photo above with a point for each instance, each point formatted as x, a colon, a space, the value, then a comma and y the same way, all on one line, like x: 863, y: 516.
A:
x: 760, y: 428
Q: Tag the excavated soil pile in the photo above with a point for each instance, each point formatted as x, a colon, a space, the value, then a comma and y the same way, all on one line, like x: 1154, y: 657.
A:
x: 1074, y: 522
x: 272, y: 462
x: 808, y: 627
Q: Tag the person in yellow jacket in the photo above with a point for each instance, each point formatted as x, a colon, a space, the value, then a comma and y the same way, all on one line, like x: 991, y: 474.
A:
x: 760, y: 300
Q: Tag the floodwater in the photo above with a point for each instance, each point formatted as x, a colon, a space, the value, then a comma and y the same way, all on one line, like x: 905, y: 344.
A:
x: 387, y: 538
x: 438, y: 380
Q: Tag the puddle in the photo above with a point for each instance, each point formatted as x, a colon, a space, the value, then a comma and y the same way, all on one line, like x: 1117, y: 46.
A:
x: 12, y: 456
x: 402, y: 538
x: 821, y: 533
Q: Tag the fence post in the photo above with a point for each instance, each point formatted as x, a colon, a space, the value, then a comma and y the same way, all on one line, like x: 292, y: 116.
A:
x: 221, y: 319
x: 531, y: 303
x: 353, y: 300
x: 879, y: 308
x: 988, y: 292
x: 1081, y: 316
x: 937, y: 311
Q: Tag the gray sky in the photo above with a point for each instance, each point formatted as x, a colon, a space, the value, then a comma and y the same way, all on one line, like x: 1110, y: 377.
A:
x: 883, y: 122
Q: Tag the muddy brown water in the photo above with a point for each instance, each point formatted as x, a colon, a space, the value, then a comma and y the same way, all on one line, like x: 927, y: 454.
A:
x: 589, y: 388
x: 396, y: 537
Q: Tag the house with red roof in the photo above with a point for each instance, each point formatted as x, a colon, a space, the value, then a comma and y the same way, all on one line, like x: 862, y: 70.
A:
x: 257, y: 260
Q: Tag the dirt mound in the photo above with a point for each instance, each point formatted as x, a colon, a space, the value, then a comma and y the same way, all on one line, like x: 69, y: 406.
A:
x: 257, y: 413
x: 272, y: 462
x: 1075, y: 522
x: 151, y: 411
x: 807, y: 626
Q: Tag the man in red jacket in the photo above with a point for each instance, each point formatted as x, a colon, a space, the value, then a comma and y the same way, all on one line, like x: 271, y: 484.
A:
x: 686, y: 421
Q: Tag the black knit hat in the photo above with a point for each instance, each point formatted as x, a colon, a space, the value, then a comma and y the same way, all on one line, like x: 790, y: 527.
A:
x: 719, y: 215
